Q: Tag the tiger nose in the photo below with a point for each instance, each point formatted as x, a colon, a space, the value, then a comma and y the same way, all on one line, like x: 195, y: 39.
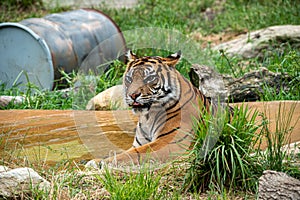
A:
x: 135, y: 95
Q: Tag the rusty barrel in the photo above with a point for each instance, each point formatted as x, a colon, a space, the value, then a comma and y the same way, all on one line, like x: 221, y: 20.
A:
x: 36, y: 49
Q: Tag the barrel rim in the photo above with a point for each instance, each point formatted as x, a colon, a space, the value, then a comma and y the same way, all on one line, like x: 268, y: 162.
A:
x: 42, y: 43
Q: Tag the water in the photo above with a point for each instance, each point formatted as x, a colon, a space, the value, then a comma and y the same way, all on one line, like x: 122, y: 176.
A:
x: 53, y: 135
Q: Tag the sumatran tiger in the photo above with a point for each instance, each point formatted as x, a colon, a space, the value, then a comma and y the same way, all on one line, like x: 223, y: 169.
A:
x: 165, y: 103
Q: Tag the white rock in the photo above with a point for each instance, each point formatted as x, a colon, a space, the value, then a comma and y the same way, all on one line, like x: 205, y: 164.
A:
x: 91, y: 165
x: 4, y: 168
x: 252, y: 44
x: 15, y: 181
x: 112, y: 98
x: 5, y: 100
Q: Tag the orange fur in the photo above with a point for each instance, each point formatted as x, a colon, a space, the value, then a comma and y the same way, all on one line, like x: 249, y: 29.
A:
x: 165, y: 102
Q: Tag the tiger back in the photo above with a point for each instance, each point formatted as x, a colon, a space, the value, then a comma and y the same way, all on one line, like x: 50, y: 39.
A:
x: 165, y: 103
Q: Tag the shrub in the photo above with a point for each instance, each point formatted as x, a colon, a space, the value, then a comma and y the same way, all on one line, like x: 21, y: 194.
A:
x: 229, y: 162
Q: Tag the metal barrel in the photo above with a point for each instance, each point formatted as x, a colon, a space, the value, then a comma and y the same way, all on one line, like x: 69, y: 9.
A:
x: 36, y: 49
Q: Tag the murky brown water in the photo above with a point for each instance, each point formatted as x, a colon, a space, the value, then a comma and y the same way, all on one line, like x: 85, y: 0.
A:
x: 53, y: 135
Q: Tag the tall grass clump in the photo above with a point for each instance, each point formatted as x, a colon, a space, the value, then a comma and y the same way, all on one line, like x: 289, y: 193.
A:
x: 276, y: 157
x: 133, y: 185
x: 230, y: 163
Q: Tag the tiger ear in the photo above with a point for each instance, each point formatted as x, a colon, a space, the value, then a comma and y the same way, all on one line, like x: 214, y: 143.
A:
x: 173, y: 59
x: 130, y: 56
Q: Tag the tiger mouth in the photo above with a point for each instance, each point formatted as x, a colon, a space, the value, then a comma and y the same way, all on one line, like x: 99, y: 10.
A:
x: 140, y: 105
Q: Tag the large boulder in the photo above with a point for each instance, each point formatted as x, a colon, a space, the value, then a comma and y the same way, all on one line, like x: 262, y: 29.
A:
x: 110, y: 99
x: 278, y: 185
x: 252, y: 44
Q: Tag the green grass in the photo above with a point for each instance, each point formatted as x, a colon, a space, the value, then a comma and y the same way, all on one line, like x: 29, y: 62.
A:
x: 234, y: 162
x: 236, y: 15
x: 185, y: 17
x: 83, y: 88
x: 132, y: 185
x: 230, y: 164
x: 252, y: 15
x: 227, y: 169
x: 285, y: 61
x: 164, y: 14
x: 21, y: 3
x: 274, y: 156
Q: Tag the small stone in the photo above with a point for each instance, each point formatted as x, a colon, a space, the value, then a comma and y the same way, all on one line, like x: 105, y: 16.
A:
x: 5, y: 100
x: 18, y: 180
x: 91, y: 165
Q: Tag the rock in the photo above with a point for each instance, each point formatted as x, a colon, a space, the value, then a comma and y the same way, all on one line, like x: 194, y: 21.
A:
x: 249, y: 87
x: 4, y: 168
x: 252, y: 44
x: 110, y: 99
x: 292, y: 149
x: 209, y: 82
x: 278, y: 185
x: 91, y: 164
x: 18, y: 180
x: 5, y: 100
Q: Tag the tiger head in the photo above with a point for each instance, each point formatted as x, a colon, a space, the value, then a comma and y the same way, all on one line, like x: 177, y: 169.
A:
x: 151, y: 80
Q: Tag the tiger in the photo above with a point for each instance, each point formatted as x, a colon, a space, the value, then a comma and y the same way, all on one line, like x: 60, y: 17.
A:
x: 165, y: 103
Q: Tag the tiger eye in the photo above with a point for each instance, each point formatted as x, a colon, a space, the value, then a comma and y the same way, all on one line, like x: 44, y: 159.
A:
x: 150, y: 79
x: 128, y: 79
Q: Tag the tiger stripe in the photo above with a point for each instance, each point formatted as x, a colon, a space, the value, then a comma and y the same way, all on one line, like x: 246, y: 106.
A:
x: 165, y: 102
x: 168, y: 133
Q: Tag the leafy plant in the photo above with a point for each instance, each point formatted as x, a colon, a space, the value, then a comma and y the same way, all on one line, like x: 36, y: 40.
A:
x: 230, y: 162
